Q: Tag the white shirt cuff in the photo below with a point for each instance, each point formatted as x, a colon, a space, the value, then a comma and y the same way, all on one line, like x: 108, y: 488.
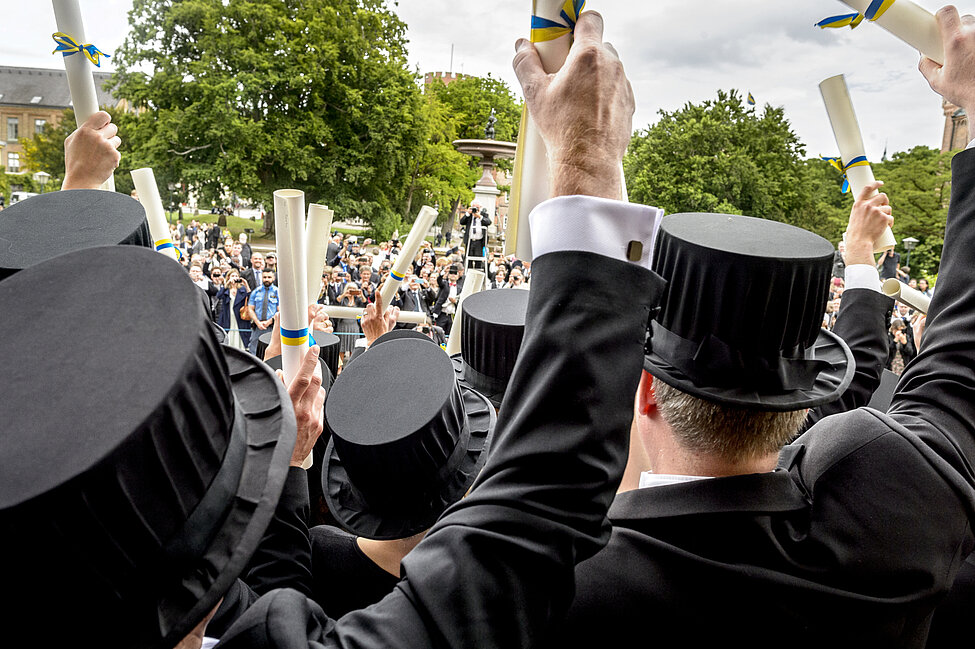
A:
x: 862, y: 276
x: 971, y: 145
x: 590, y: 224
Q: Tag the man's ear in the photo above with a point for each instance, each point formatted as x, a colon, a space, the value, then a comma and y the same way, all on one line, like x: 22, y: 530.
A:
x: 646, y: 399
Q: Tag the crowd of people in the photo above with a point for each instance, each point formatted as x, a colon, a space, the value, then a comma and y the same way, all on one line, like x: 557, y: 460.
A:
x: 623, y: 453
x: 242, y: 283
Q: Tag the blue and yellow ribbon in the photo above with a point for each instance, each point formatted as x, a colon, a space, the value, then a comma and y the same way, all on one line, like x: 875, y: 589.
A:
x: 162, y: 244
x: 874, y: 11
x: 294, y: 337
x: 859, y: 161
x: 68, y: 46
x: 751, y: 100
x: 396, y: 276
x: 544, y: 29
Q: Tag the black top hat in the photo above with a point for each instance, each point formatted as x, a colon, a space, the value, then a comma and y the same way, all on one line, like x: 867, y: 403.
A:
x: 393, y: 467
x: 492, y: 324
x: 740, y: 322
x: 139, y: 470
x: 49, y: 225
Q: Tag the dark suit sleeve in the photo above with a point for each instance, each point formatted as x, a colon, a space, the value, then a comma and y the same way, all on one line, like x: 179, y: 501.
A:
x: 498, y: 568
x: 283, y: 558
x: 862, y: 324
x: 935, y: 398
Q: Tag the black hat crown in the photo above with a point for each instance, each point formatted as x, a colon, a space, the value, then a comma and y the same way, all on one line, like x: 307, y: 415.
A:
x: 740, y: 322
x: 492, y: 328
x: 395, y: 464
x: 45, y: 226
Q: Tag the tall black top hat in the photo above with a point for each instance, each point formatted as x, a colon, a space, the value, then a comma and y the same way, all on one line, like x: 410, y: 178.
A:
x: 740, y: 322
x: 49, y: 225
x: 391, y: 472
x: 492, y: 325
x: 139, y: 469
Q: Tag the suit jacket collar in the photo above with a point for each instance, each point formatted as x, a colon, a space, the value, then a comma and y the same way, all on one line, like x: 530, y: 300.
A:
x: 756, y: 492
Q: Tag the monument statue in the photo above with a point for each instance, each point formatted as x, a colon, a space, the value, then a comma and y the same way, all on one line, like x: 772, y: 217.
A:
x: 489, y: 130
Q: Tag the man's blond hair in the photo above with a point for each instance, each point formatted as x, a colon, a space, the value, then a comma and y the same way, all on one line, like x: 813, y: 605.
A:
x: 733, y: 434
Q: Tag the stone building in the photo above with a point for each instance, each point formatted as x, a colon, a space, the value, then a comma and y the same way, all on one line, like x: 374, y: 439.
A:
x: 956, y: 128
x: 32, y: 99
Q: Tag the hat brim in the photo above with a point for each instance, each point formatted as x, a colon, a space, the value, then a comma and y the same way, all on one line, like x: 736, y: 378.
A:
x: 269, y: 425
x: 828, y: 386
x: 350, y: 509
x: 470, y: 380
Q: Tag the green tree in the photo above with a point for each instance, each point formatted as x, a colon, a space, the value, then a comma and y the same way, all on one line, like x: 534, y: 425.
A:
x: 257, y: 95
x: 720, y: 156
x: 470, y: 100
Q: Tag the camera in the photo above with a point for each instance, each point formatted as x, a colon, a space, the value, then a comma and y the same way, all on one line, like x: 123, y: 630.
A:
x: 425, y: 330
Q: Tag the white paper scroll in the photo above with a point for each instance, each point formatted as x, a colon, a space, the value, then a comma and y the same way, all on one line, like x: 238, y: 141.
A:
x: 289, y: 230
x: 531, y: 181
x: 81, y: 81
x: 903, y: 293
x: 145, y: 185
x: 414, y: 240
x: 317, y: 229
x: 473, y: 282
x: 412, y: 317
x: 846, y: 129
x: 911, y: 23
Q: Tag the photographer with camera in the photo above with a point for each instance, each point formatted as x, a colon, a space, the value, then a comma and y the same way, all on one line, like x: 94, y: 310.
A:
x: 351, y: 296
x: 231, y: 309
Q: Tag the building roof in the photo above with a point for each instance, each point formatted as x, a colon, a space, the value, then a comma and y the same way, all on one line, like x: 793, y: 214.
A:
x: 21, y: 87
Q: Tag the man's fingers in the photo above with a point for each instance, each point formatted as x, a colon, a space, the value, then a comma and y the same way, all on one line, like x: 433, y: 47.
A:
x: 589, y: 28
x: 109, y: 130
x: 393, y: 317
x: 930, y: 70
x: 379, y: 302
x: 867, y: 192
x: 303, y: 379
x: 98, y: 120
x: 949, y: 21
x: 609, y: 46
x: 528, y: 68
x: 116, y: 142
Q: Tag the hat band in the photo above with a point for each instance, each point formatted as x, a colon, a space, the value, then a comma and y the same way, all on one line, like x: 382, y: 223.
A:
x: 201, y: 525
x: 713, y: 362
x: 482, y: 382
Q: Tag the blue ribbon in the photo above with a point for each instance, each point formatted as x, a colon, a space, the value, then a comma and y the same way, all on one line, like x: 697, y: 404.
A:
x: 68, y: 46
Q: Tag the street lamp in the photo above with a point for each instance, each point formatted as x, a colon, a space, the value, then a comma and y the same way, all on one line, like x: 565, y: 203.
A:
x: 910, y: 243
x: 41, y: 177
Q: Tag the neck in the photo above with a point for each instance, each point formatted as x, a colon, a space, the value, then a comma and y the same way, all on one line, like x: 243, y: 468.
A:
x: 388, y: 554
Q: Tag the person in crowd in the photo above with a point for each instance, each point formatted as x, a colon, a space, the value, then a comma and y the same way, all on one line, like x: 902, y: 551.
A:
x: 902, y: 350
x: 475, y: 222
x: 838, y: 264
x: 889, y: 265
x: 333, y: 250
x: 336, y: 285
x: 253, y: 274
x: 262, y: 304
x: 924, y: 287
x: 245, y: 249
x: 500, y: 279
x: 444, y: 308
x: 347, y: 329
x: 233, y: 297
x: 212, y: 236
x: 367, y: 287
x: 517, y: 279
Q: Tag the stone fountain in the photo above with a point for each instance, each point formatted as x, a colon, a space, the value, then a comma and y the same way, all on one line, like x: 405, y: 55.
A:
x: 488, y: 150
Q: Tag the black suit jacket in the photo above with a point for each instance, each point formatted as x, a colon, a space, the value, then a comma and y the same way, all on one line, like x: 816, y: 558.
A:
x: 851, y: 542
x: 445, y: 293
x: 497, y: 569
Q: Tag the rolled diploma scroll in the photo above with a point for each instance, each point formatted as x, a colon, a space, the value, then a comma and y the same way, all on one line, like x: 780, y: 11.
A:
x: 531, y: 182
x: 145, y: 185
x: 903, y: 293
x: 81, y: 81
x: 316, y: 239
x: 413, y: 317
x: 846, y: 129
x: 421, y: 226
x: 911, y: 23
x: 473, y: 284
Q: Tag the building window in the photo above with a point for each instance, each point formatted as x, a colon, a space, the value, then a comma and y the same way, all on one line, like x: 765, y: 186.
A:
x: 36, y: 99
x: 13, y: 163
x: 12, y: 129
x: 39, y: 125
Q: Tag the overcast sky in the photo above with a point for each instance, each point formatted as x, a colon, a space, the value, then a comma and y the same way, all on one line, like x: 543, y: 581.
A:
x: 674, y: 51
